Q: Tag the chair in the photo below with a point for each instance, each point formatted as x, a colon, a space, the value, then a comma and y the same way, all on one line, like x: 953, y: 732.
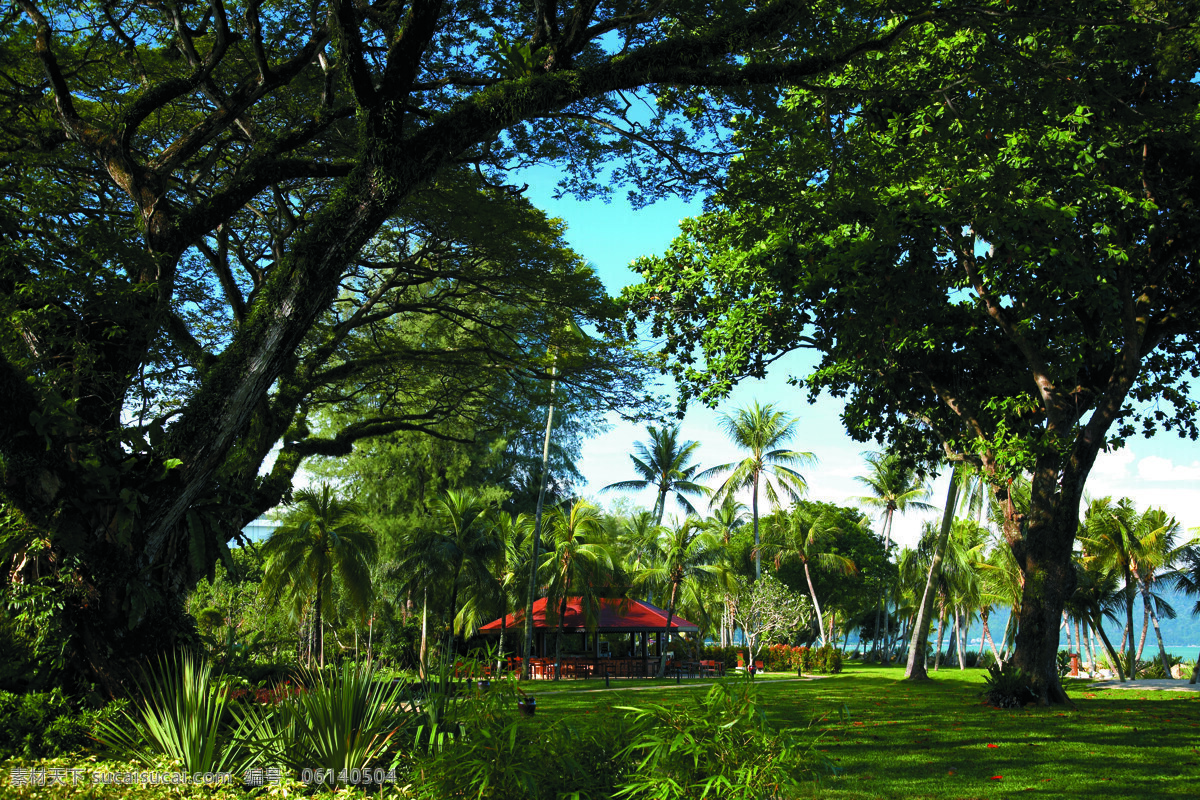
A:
x: 708, y: 668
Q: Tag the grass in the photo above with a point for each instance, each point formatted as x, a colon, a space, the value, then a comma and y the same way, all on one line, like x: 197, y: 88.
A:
x: 938, y: 740
x: 925, y: 740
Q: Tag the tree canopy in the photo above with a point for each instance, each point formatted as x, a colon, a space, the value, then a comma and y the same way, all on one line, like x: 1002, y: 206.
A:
x: 990, y: 241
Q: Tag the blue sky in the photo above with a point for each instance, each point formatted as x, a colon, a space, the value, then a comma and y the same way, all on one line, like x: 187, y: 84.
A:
x: 1162, y: 471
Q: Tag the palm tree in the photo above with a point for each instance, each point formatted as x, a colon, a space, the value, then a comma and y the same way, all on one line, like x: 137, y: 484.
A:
x: 460, y: 537
x: 691, y: 557
x: 1187, y: 580
x: 322, y: 536
x: 805, y: 536
x: 724, y: 520
x: 662, y: 464
x: 638, y: 542
x: 508, y: 564
x: 761, y: 430
x: 1097, y: 595
x: 894, y: 486
x: 574, y: 564
x: 1117, y: 538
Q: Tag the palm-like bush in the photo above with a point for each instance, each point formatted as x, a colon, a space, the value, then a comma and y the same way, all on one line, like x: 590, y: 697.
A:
x: 180, y: 717
x: 343, y: 722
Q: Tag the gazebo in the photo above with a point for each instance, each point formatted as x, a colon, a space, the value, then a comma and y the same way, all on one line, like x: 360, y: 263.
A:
x: 637, y: 618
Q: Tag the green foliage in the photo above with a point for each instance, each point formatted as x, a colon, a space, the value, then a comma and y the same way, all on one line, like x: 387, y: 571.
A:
x: 1007, y: 688
x: 180, y: 715
x: 340, y: 722
x: 500, y: 755
x: 722, y: 745
x: 41, y: 724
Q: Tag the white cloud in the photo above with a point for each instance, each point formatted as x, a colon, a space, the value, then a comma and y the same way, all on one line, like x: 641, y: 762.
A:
x: 1157, y: 468
x: 1113, y: 465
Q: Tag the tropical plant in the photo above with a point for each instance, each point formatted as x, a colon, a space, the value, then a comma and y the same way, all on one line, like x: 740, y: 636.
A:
x: 576, y: 563
x: 1135, y: 546
x: 333, y: 723
x: 662, y: 464
x: 719, y: 745
x: 894, y: 485
x: 322, y: 536
x: 761, y: 430
x: 180, y: 715
x: 805, y: 536
x: 690, y: 558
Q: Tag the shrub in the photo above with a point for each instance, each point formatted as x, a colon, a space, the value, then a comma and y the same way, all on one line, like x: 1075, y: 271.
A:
x: 1008, y: 688
x: 40, y: 724
x: 340, y: 722
x: 986, y: 659
x: 722, y: 746
x: 181, y: 715
x: 971, y: 659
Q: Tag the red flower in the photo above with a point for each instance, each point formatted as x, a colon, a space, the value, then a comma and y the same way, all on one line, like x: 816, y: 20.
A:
x: 993, y: 745
x: 997, y: 777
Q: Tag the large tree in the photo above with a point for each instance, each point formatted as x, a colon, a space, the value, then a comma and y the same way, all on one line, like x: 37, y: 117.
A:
x: 200, y: 183
x: 994, y: 237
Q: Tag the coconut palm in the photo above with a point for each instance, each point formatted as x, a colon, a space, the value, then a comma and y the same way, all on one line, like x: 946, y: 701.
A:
x: 459, y: 536
x: 1187, y: 580
x: 576, y: 562
x: 322, y: 536
x: 1117, y: 538
x: 806, y: 536
x: 662, y: 464
x: 1098, y: 595
x: 508, y: 566
x: 761, y: 430
x: 894, y: 486
x: 691, y: 558
x: 723, y: 522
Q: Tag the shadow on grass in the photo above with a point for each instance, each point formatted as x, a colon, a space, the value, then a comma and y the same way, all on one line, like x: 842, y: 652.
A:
x: 937, y: 739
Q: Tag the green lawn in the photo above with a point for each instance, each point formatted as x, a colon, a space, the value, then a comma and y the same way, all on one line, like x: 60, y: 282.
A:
x: 938, y: 739
x: 890, y: 739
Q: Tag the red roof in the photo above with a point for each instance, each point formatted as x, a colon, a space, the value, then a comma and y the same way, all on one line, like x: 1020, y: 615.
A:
x: 615, y: 615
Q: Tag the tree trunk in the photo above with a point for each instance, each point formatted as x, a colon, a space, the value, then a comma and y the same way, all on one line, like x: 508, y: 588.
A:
x: 423, y: 659
x: 962, y: 658
x: 562, y: 613
x: 1098, y: 623
x: 662, y: 657
x: 537, y: 528
x: 813, y: 594
x: 915, y: 669
x: 937, y: 656
x: 754, y: 513
x: 1145, y: 626
x: 987, y: 635
x: 1162, y: 649
x: 1131, y: 655
x: 881, y: 633
x: 1044, y: 553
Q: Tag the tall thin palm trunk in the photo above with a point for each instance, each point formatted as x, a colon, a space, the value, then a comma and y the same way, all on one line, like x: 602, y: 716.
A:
x: 754, y: 514
x: 1162, y: 650
x: 915, y: 669
x: 958, y: 632
x: 813, y: 594
x: 881, y: 633
x: 537, y: 528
